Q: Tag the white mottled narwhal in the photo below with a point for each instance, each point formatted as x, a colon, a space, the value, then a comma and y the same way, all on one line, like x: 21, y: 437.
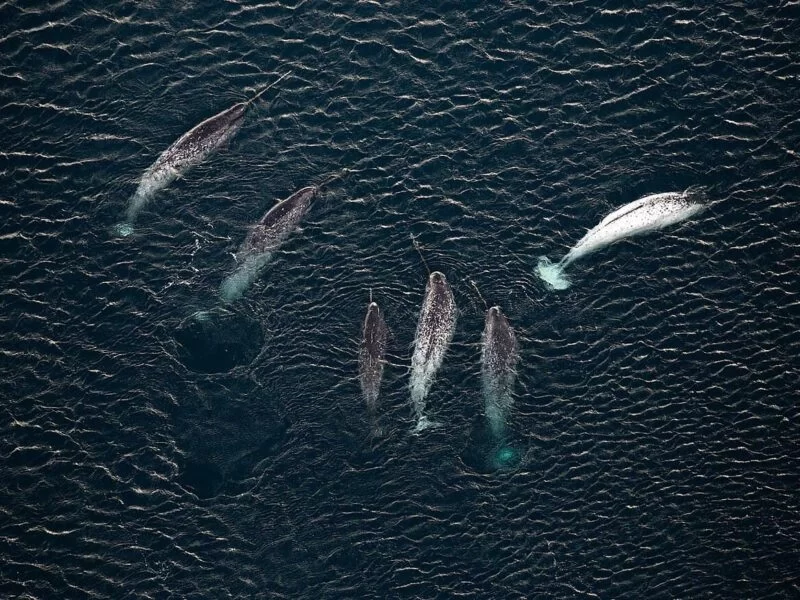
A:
x: 437, y: 320
x: 263, y: 239
x: 372, y: 359
x: 643, y: 215
x: 499, y: 356
x: 191, y: 148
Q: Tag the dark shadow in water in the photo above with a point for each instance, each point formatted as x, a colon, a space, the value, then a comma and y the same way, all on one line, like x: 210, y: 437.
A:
x: 486, y: 454
x: 229, y: 430
x: 245, y: 465
x: 224, y: 455
x: 203, y: 479
x: 217, y: 340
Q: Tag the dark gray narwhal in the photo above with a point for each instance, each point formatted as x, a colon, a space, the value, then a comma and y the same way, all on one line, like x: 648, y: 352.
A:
x: 191, y: 148
x: 264, y: 238
x: 499, y: 357
x: 372, y: 358
x: 437, y: 322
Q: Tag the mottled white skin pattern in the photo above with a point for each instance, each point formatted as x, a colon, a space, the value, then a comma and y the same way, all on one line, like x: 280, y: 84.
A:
x: 646, y: 214
x: 435, y: 329
x: 499, y: 356
x: 643, y: 215
x: 191, y: 148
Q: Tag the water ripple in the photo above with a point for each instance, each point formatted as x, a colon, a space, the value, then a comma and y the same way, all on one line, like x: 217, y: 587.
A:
x: 654, y: 411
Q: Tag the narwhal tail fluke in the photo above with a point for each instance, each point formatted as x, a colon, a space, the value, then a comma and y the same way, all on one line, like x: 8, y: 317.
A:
x: 553, y: 273
x: 423, y: 423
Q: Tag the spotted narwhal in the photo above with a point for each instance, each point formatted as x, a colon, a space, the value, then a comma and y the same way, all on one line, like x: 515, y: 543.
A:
x: 437, y: 321
x: 191, y: 148
x: 372, y: 358
x: 640, y: 216
x: 264, y: 238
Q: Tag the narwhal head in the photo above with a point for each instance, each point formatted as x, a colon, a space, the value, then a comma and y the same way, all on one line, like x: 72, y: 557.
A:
x: 499, y: 330
x: 373, y: 310
x: 437, y: 279
x: 306, y: 194
x: 235, y: 115
x: 374, y: 328
x: 495, y: 318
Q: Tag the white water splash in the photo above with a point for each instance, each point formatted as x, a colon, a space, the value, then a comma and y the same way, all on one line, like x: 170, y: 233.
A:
x: 123, y: 229
x: 552, y: 273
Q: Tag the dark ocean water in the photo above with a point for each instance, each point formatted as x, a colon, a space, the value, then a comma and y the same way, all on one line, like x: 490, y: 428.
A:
x: 146, y: 454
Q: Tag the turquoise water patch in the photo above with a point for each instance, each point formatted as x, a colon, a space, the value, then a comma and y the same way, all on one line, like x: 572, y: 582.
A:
x: 123, y: 229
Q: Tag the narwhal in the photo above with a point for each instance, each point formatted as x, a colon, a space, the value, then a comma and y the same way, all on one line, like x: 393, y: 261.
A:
x: 266, y: 236
x: 263, y: 239
x: 643, y: 215
x: 191, y: 148
x: 437, y: 321
x: 372, y: 358
x: 499, y: 357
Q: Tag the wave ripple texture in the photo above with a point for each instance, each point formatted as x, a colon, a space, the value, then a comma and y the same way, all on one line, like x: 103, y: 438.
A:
x: 155, y: 443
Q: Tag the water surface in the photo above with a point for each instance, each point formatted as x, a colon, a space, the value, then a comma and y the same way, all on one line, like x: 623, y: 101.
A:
x: 147, y: 453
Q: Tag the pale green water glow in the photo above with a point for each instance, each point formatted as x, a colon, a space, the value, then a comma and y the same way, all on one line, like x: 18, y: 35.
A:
x: 552, y: 273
